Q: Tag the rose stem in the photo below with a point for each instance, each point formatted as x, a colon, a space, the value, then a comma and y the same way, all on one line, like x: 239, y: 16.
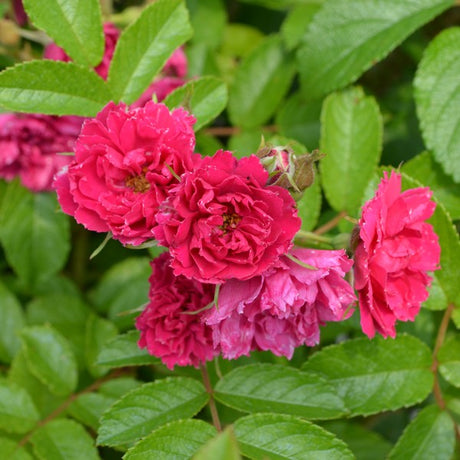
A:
x: 331, y: 224
x: 434, y: 367
x: 212, y: 402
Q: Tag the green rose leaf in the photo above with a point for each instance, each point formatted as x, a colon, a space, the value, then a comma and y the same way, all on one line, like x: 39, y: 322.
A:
x: 449, y: 360
x: 34, y: 236
x: 309, y: 206
x: 53, y: 88
x: 261, y: 81
x: 287, y: 437
x: 74, y: 25
x: 346, y: 37
x: 430, y: 435
x: 50, y: 358
x: 11, y: 322
x: 123, y: 350
x: 208, y: 19
x: 63, y: 439
x: 351, y: 138
x: 438, y: 96
x: 221, y: 447
x: 280, y: 389
x: 144, y: 47
x: 11, y: 450
x: 378, y: 375
x: 204, y: 97
x: 142, y: 410
x: 18, y: 413
x: 179, y: 440
x: 424, y: 169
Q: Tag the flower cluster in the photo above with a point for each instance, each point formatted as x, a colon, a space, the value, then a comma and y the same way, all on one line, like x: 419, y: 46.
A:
x: 232, y: 281
x: 31, y: 146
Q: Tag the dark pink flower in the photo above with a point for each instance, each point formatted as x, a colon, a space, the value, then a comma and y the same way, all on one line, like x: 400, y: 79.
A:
x: 282, y: 308
x: 396, y: 248
x: 30, y: 147
x: 222, y: 221
x: 167, y: 329
x: 125, y: 163
x: 111, y: 34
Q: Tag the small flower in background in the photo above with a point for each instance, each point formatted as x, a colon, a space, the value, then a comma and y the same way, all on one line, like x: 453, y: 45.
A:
x: 395, y: 250
x: 283, y: 307
x: 222, y: 221
x: 125, y: 163
x: 30, y: 147
x: 171, y: 325
x: 111, y: 34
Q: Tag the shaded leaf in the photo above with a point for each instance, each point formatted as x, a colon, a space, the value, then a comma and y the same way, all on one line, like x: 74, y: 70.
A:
x: 449, y: 360
x: 123, y: 350
x: 18, y: 413
x: 50, y: 358
x: 221, y: 447
x: 437, y: 96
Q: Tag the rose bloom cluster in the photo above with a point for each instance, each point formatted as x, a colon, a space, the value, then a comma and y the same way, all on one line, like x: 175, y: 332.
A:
x: 32, y: 146
x: 232, y: 281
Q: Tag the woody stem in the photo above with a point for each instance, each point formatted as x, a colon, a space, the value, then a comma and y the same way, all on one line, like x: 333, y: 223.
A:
x: 212, y: 402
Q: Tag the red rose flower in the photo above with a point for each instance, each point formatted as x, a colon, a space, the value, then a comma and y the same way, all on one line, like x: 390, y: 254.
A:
x: 222, y: 221
x: 396, y: 248
x: 283, y: 307
x: 168, y: 330
x: 30, y: 144
x: 125, y: 163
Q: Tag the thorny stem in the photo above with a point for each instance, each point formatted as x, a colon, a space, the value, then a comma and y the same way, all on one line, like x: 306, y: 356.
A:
x: 94, y: 386
x: 212, y: 402
x: 331, y: 224
x: 434, y: 367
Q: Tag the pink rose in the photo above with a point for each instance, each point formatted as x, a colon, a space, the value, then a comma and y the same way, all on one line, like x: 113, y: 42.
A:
x: 395, y: 250
x: 167, y: 330
x: 111, y: 34
x: 284, y: 307
x: 30, y: 147
x: 222, y: 221
x: 125, y: 163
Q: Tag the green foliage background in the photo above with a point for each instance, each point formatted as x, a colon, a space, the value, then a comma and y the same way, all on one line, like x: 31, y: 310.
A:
x: 369, y: 82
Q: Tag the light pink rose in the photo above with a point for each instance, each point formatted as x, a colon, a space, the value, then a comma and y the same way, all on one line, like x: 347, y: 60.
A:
x: 395, y: 250
x: 125, y: 163
x: 222, y: 221
x: 111, y: 35
x: 30, y: 147
x: 167, y: 330
x: 284, y: 307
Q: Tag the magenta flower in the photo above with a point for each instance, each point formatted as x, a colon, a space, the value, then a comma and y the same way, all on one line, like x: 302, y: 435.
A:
x: 282, y: 308
x: 222, y: 221
x: 125, y: 163
x: 111, y: 34
x: 167, y: 329
x: 396, y: 248
x: 30, y: 147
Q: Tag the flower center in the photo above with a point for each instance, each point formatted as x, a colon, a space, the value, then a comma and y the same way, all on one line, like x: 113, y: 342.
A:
x: 138, y: 183
x: 230, y: 221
